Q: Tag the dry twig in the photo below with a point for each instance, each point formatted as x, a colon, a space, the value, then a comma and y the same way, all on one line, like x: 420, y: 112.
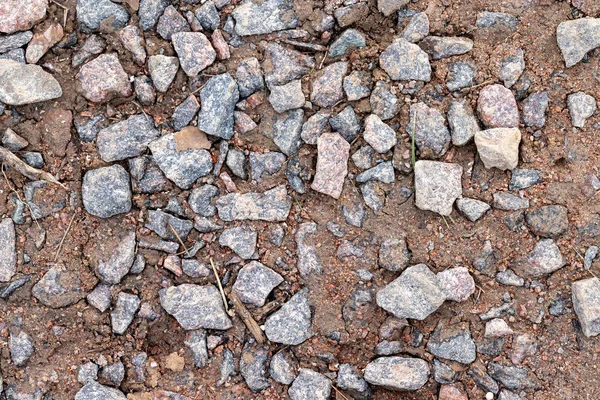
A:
x: 7, y: 157
x: 179, y: 239
x: 212, y: 264
x: 245, y: 315
x: 62, y: 241
x: 338, y: 392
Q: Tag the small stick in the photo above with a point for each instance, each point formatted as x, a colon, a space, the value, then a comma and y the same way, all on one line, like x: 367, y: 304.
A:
x: 7, y: 157
x: 476, y: 86
x: 451, y: 219
x: 413, y: 155
x: 323, y: 59
x: 444, y: 218
x: 212, y: 264
x: 245, y: 315
x: 179, y: 238
x: 338, y: 392
x: 63, y: 239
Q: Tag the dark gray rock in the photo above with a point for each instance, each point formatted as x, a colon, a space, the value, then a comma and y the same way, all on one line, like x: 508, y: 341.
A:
x: 415, y: 294
x: 581, y: 107
x: 8, y: 254
x: 88, y: 128
x: 149, y: 12
x: 39, y: 202
x: 196, y: 342
x: 94, y: 15
x: 272, y: 205
x: 219, y: 97
x: 351, y: 14
x: 349, y: 40
x: 241, y: 240
x: 265, y: 164
x: 34, y: 159
x: 254, y: 17
x: 548, y: 221
x: 384, y: 102
x: 117, y: 265
x: 96, y: 391
x: 403, y: 60
x: 453, y: 342
x: 171, y: 22
x: 185, y: 112
x: 194, y: 51
x: 590, y: 254
x: 113, y: 374
x: 58, y: 288
x: 227, y: 367
x: 309, y: 261
x: 195, y: 306
x: 28, y: 84
x: 7, y: 290
x: 577, y: 37
x: 284, y: 367
x: 429, y: 130
x: 144, y: 90
x: 126, y: 139
x: 363, y: 157
x: 254, y: 366
x: 236, y: 162
x: 512, y: 68
x: 461, y: 75
x: 394, y: 254
x: 14, y: 41
x: 487, y: 19
x: 94, y: 45
x: 124, y: 312
x: 255, y: 282
x: 310, y: 385
x: 387, y: 348
x: 382, y: 172
x: 20, y: 345
x: 146, y: 176
x: 479, y: 375
x: 283, y: 65
x: 287, y: 129
x: 354, y: 214
x: 534, y: 109
x: 181, y: 167
x: 509, y: 202
x: 357, y: 85
x: 397, y: 373
x: 195, y: 269
x: 346, y: 124
x: 106, y: 191
x: 292, y: 323
x: 417, y: 28
x: 352, y: 383
x: 473, y: 209
x: 249, y: 77
x: 12, y: 141
x: 200, y: 200
x: 524, y: 178
x: 100, y: 297
x: 327, y: 86
x: 163, y: 225
x: 373, y: 195
x: 443, y: 373
x: 444, y: 46
x: 208, y: 16
x: 513, y: 377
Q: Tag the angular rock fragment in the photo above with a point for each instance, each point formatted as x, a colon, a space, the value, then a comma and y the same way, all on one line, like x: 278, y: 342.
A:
x: 21, y: 15
x: 394, y: 254
x: 462, y: 122
x: 429, y: 130
x: 378, y: 134
x: 357, y: 85
x: 287, y: 97
x: 310, y: 385
x: 8, y: 254
x: 255, y: 282
x: 185, y: 112
x: 473, y: 209
x: 292, y: 323
x: 124, y: 312
x: 106, y: 191
x: 283, y: 65
x: 272, y: 205
x: 509, y: 202
x: 164, y: 224
x: 194, y: 51
x: 162, y: 70
x: 208, y: 16
x: 453, y: 342
x: 126, y: 139
x: 249, y: 77
x: 100, y: 15
x: 287, y: 129
x: 349, y: 40
x: 104, y: 78
x: 443, y: 46
x: 171, y: 22
x: 200, y: 200
x: 120, y: 261
x: 460, y: 75
x: 512, y: 68
x: 242, y: 240
x: 26, y: 84
x: 58, y: 288
x: 14, y: 41
x: 437, y: 185
x: 332, y: 164
x: 196, y: 342
x: 403, y: 60
x: 265, y: 164
x: 384, y: 102
x: 100, y: 297
x: 327, y: 87
x: 149, y: 12
x: 20, y: 345
x: 93, y: 45
x: 577, y: 37
x: 544, y: 259
x: 586, y: 302
x: 499, y: 147
x: 254, y: 367
x: 346, y: 124
x: 42, y: 42
x: 581, y: 107
x: 534, y: 109
x: 254, y: 17
x: 284, y: 367
x: 352, y: 383
x: 497, y: 107
x: 548, y: 221
x: 96, y: 391
x: 397, y: 373
x: 417, y: 28
x: 457, y: 283
x: 219, y: 97
x: 382, y: 172
x: 388, y: 7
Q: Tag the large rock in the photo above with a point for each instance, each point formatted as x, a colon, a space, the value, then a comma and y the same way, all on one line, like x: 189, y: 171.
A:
x: 437, y: 185
x: 120, y: 261
x: 26, y: 84
x: 272, y: 205
x: 194, y: 51
x: 219, y: 97
x: 403, y: 60
x: 577, y: 37
x: 292, y: 323
x: 104, y: 78
x: 182, y: 167
x: 310, y: 385
x: 548, y: 221
x: 100, y: 15
x: 127, y: 138
x: 240, y: 239
x: 106, y: 191
x: 415, y: 294
x: 96, y: 391
x: 586, y: 302
x: 545, y: 258
x: 429, y: 130
x: 327, y: 87
x: 195, y: 306
x: 499, y: 147
x: 254, y: 17
x: 149, y: 12
x: 255, y: 282
x: 497, y: 107
x: 8, y: 254
x: 283, y: 65
x: 453, y: 342
x: 397, y: 373
x: 332, y: 164
x: 11, y: 42
x: 21, y: 15
x: 58, y: 288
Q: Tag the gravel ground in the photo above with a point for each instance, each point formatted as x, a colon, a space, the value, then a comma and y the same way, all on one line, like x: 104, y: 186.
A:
x: 297, y: 199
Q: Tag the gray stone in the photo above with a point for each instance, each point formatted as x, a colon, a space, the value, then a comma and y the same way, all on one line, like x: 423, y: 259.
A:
x: 350, y: 14
x: 310, y: 385
x: 403, y: 60
x: 373, y: 195
x: 581, y: 107
x: 8, y: 254
x: 349, y: 249
x: 219, y: 96
x: 106, y: 192
x: 208, y: 16
x: 227, y: 367
x: 88, y: 128
x: 394, y: 254
x: 287, y: 129
x: 363, y: 157
x: 92, y: 46
x: 388, y: 7
x: 357, y: 85
x: 512, y: 68
x: 332, y: 164
x: 577, y: 37
x: 327, y: 86
x: 171, y: 22
x: 524, y: 178
x: 349, y: 40
x: 482, y: 379
x: 162, y: 70
x: 352, y: 383
x: 508, y: 395
x: 242, y: 240
x: 586, y: 303
x: 181, y: 167
x: 445, y: 46
x: 457, y: 283
x: 534, y: 109
x: 38, y: 200
x: 473, y: 209
x: 509, y: 202
x: 461, y: 75
x: 194, y: 51
x: 508, y: 277
x: 87, y: 373
x: 26, y: 84
x: 398, y: 373
x: 453, y: 342
x: 590, y: 254
x: 163, y: 225
x: 548, y: 221
x: 497, y: 327
x: 20, y: 345
x: 287, y: 97
x: 236, y: 162
x: 58, y: 288
x: 196, y: 342
x: 254, y: 366
x: 427, y: 126
x: 309, y: 261
x: 443, y: 373
x: 103, y: 78
x: 497, y: 107
x: 417, y: 28
x: 253, y: 17
x: 120, y: 261
x: 272, y: 205
x: 346, y: 124
x: 487, y: 19
x: 98, y: 15
x: 545, y: 258
x: 14, y: 41
x: 354, y: 214
x: 378, y: 134
x: 437, y: 185
x: 255, y: 282
x: 513, y: 377
x: 127, y: 138
x: 200, y: 200
x: 144, y: 90
x: 267, y: 163
x: 34, y: 159
x: 185, y: 112
x: 149, y: 12
x: 292, y: 323
x: 415, y: 294
x: 195, y: 269
x: 113, y: 374
x: 124, y: 312
x: 195, y: 306
x: 499, y: 147
x: 96, y: 391
x: 147, y: 176
x: 382, y: 172
x: 12, y: 141
x: 283, y: 367
x: 249, y: 77
x: 100, y: 297
x: 283, y: 65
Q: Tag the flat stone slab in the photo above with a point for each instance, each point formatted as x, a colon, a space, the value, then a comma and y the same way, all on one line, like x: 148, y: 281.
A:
x: 332, y: 164
x: 437, y: 185
x: 398, y: 373
x: 272, y: 205
x: 26, y: 84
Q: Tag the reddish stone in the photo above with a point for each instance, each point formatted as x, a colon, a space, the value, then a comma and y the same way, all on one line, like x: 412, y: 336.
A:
x: 104, y: 78
x: 42, y: 42
x: 21, y: 15
x: 452, y: 392
x: 220, y: 45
